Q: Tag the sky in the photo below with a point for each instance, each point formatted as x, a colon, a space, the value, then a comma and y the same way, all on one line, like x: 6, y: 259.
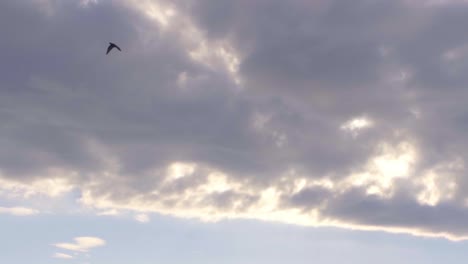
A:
x: 233, y: 131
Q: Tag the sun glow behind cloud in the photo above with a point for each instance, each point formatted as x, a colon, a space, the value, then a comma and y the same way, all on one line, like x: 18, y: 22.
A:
x: 246, y: 201
x: 381, y: 171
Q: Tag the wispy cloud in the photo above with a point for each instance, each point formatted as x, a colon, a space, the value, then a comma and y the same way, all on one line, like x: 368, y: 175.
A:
x: 82, y: 244
x: 62, y: 256
x: 142, y: 218
x: 112, y: 212
x: 18, y: 211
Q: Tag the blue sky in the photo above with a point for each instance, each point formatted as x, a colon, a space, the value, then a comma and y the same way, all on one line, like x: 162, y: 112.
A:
x: 169, y: 240
x: 233, y: 131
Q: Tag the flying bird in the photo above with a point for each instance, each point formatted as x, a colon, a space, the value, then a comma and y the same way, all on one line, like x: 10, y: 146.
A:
x: 111, y: 46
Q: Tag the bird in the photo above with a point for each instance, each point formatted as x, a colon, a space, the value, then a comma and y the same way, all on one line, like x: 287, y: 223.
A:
x: 111, y: 46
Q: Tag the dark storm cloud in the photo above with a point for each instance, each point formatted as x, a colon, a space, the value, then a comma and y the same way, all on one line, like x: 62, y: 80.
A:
x: 62, y: 87
x: 328, y: 54
x: 403, y: 211
x: 323, y: 60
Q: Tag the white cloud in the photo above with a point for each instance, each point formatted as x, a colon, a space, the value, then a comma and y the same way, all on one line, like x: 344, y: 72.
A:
x: 52, y: 184
x: 82, y: 244
x: 142, y: 218
x: 18, y: 211
x: 62, y: 256
x: 355, y: 125
x: 111, y: 212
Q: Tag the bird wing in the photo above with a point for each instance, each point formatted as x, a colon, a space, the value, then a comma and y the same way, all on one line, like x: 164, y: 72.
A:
x: 111, y: 46
x: 109, y: 49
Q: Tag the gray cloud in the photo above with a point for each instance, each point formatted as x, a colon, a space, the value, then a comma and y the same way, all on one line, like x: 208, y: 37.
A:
x: 276, y: 139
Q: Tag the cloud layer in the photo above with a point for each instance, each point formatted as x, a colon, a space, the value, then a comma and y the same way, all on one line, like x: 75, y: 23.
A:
x: 313, y: 113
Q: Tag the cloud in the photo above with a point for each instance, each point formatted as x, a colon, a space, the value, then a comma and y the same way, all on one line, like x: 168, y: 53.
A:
x: 318, y: 113
x: 111, y: 212
x: 18, y: 211
x: 51, y: 184
x: 82, y: 244
x: 142, y: 218
x: 62, y: 256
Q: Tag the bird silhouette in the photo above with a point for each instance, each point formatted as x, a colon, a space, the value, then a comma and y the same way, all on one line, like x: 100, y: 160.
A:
x: 111, y: 46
